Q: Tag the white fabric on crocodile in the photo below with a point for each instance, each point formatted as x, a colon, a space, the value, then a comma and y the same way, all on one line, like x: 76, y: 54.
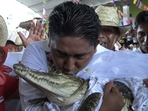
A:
x: 125, y: 66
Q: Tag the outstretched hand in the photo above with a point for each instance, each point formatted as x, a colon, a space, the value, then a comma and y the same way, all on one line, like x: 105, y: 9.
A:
x: 112, y: 99
x: 36, y: 33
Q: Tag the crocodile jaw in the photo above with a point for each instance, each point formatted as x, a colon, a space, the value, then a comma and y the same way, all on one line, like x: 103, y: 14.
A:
x: 59, y: 88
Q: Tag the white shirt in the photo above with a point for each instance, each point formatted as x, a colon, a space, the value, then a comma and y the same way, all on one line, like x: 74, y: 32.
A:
x: 12, y: 58
x: 105, y: 65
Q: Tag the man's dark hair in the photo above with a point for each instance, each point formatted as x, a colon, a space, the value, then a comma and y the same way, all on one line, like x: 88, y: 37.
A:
x: 75, y: 20
x: 9, y: 42
x: 141, y: 17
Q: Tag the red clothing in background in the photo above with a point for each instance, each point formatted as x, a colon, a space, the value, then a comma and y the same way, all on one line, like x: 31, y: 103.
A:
x: 8, y: 84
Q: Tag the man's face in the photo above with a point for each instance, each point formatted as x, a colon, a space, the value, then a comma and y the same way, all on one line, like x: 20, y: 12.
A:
x: 11, y: 48
x: 70, y: 55
x: 108, y: 36
x: 142, y: 36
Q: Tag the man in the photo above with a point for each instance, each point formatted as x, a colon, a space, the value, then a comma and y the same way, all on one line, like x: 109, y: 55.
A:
x: 141, y: 25
x: 110, y: 26
x: 73, y: 32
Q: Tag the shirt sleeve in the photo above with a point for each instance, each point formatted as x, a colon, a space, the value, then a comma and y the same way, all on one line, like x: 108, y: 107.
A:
x: 34, y: 57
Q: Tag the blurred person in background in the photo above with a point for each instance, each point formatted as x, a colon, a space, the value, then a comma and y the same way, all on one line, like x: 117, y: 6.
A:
x: 111, y: 30
x: 19, y: 44
x: 11, y: 46
x: 141, y: 25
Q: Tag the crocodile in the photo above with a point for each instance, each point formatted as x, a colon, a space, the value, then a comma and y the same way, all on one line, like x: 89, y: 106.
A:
x: 60, y: 88
x: 67, y: 89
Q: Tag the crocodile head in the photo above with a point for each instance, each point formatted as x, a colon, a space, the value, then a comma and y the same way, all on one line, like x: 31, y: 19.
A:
x: 58, y: 87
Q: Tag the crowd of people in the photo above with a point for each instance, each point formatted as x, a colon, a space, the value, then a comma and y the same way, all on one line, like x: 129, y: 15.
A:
x: 79, y: 37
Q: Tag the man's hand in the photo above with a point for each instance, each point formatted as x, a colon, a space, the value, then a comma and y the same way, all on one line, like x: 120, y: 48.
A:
x: 145, y: 82
x: 112, y: 99
x: 36, y: 33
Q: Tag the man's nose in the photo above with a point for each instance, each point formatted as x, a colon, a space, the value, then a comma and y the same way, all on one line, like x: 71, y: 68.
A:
x: 69, y: 64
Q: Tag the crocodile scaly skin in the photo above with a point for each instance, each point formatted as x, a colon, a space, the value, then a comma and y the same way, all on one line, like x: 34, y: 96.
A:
x: 59, y: 88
